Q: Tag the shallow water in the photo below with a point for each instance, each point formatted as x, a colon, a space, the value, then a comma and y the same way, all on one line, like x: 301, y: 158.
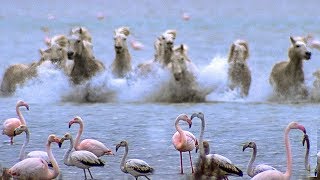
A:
x: 126, y: 113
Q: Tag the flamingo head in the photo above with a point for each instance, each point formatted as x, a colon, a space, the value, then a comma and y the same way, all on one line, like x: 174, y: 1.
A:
x: 53, y: 138
x: 249, y: 145
x: 22, y: 103
x: 121, y: 144
x: 76, y: 119
x: 295, y: 125
x: 199, y: 115
x: 20, y: 129
x: 185, y: 117
x: 67, y: 136
x: 305, y: 139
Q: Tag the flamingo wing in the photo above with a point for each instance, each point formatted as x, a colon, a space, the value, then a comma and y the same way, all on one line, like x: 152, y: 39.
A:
x: 223, y: 165
x: 138, y: 166
x: 40, y: 154
x: 29, y: 168
x: 94, y: 146
x: 85, y: 158
x: 260, y: 168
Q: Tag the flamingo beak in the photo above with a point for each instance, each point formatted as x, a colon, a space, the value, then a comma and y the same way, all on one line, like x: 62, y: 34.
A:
x: 27, y: 106
x: 302, y: 128
x: 60, y: 142
x: 70, y: 123
x: 189, y: 122
x: 245, y: 147
x: 117, y: 147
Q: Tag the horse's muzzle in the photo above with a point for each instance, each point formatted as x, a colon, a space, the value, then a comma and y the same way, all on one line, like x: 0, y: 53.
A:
x: 308, y: 55
x: 70, y: 54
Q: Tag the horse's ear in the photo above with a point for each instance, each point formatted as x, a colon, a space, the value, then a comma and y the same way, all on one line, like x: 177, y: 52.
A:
x: 292, y: 40
x: 231, y: 52
x: 41, y: 52
x: 172, y: 31
x: 80, y: 30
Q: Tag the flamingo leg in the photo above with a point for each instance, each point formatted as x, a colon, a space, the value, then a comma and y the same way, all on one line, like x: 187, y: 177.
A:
x: 11, y: 140
x: 85, y: 176
x: 181, y: 167
x: 191, y: 162
x: 90, y: 173
x: 147, y: 177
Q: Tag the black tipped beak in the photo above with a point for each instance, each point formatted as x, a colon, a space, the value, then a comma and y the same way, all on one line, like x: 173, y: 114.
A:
x: 117, y: 147
x: 244, y: 147
x: 69, y: 125
x: 27, y: 108
x: 60, y: 144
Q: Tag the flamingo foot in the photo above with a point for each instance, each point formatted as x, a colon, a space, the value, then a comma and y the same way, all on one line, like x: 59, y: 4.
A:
x: 90, y: 173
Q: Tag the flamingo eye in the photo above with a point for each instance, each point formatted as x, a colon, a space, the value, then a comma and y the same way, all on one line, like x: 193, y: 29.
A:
x: 297, y: 46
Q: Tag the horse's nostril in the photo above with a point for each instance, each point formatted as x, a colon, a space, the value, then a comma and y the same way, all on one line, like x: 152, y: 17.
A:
x: 308, y: 53
x: 70, y: 53
x: 118, y: 47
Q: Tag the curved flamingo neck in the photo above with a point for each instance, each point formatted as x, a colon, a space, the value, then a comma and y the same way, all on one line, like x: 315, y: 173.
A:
x: 124, y: 157
x: 77, y: 141
x: 67, y: 154
x: 252, y: 159
x: 55, y: 172
x: 23, y: 148
x: 21, y: 118
x: 181, y: 132
x: 288, y: 152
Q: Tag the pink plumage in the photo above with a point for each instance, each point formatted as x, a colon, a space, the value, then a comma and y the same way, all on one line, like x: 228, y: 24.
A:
x: 11, y: 124
x: 274, y: 174
x: 184, y: 141
x: 92, y: 145
x: 36, y: 168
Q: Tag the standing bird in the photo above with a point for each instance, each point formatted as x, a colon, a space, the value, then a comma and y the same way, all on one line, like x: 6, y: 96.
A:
x: 33, y: 154
x: 212, y: 165
x: 37, y: 168
x: 252, y: 171
x: 184, y: 141
x: 11, y: 124
x: 274, y: 174
x: 81, y: 159
x: 92, y: 145
x: 135, y: 167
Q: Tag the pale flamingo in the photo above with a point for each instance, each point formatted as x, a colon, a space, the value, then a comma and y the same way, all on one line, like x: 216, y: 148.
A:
x: 11, y: 124
x: 212, y: 165
x: 81, y: 159
x: 184, y: 141
x: 33, y: 154
x: 135, y: 167
x: 37, y: 168
x: 252, y: 171
x: 136, y: 45
x: 92, y: 145
x: 274, y: 174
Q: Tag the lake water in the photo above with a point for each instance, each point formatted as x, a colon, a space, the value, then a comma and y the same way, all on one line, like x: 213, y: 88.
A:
x: 127, y: 114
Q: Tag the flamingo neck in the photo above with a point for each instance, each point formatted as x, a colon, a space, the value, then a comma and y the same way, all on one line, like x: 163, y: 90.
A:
x: 52, y: 174
x: 77, y: 141
x: 181, y: 132
x: 288, y: 152
x: 67, y: 154
x: 21, y: 118
x: 253, y: 157
x: 23, y: 148
x: 202, y: 153
x: 124, y: 157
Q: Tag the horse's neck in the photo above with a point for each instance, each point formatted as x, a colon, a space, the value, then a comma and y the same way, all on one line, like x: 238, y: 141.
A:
x: 167, y: 55
x: 123, y: 59
x: 294, y: 67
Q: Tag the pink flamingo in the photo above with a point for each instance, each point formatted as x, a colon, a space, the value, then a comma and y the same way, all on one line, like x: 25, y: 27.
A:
x: 37, y: 168
x: 92, y: 145
x: 182, y: 140
x: 274, y: 174
x: 136, y: 45
x: 11, y: 124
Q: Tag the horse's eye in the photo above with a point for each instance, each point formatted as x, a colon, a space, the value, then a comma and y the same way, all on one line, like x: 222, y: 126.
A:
x: 78, y: 41
x: 297, y: 46
x: 125, y: 39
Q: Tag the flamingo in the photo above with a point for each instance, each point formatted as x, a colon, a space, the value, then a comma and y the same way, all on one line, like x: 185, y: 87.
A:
x: 213, y: 165
x: 306, y: 157
x: 92, y: 145
x: 81, y: 159
x: 274, y: 174
x: 11, y: 124
x: 135, y: 167
x: 33, y: 154
x: 37, y: 168
x: 184, y: 141
x: 252, y: 171
x: 136, y: 45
